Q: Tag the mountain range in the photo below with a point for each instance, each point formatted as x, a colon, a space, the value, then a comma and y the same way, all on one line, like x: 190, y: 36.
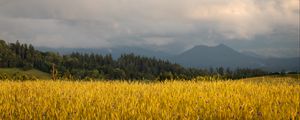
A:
x: 198, y: 57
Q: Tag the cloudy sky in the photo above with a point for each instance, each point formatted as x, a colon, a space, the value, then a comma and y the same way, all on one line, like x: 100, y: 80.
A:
x: 267, y: 27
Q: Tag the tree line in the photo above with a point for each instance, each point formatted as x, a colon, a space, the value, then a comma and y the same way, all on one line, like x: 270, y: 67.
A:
x: 80, y: 66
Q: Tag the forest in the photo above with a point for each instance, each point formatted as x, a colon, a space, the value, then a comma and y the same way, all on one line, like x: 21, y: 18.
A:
x: 84, y: 66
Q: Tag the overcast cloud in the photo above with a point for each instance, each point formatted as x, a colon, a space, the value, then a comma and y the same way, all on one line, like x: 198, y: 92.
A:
x: 268, y: 27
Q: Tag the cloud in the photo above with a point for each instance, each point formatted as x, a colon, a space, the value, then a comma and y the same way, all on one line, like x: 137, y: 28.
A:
x: 152, y: 23
x: 247, y: 18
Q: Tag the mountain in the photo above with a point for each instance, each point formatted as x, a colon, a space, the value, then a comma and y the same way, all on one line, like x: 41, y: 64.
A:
x: 217, y: 56
x: 224, y: 56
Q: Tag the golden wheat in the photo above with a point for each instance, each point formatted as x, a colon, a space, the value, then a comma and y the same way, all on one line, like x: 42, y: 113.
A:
x: 242, y: 99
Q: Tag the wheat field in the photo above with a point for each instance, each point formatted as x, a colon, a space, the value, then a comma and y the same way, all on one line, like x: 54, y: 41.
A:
x: 256, y: 98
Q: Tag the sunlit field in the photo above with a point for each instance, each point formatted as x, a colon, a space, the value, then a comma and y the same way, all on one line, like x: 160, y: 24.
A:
x: 256, y: 98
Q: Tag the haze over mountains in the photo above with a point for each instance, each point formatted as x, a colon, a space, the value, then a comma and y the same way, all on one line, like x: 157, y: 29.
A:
x: 198, y: 57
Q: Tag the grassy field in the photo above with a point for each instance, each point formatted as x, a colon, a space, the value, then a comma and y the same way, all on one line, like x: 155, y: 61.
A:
x: 255, y: 98
x: 33, y: 72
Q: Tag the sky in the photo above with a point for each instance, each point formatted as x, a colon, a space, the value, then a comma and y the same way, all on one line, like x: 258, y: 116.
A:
x: 265, y: 27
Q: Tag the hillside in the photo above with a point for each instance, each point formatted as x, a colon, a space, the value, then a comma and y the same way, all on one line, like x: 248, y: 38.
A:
x: 12, y: 71
x: 81, y: 65
x: 91, y: 66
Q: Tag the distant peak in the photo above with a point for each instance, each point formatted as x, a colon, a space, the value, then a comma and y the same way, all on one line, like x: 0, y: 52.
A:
x: 222, y: 45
